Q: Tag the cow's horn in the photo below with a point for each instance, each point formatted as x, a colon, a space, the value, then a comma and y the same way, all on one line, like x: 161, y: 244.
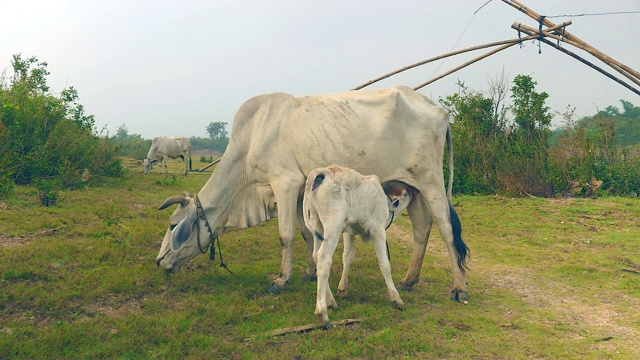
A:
x: 174, y: 200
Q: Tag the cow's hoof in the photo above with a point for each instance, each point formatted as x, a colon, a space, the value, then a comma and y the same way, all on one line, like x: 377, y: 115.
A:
x: 405, y: 286
x: 398, y: 305
x: 341, y: 293
x: 461, y: 296
x: 274, y: 289
x: 311, y: 278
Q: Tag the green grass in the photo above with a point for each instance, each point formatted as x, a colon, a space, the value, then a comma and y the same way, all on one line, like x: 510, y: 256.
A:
x: 549, y: 279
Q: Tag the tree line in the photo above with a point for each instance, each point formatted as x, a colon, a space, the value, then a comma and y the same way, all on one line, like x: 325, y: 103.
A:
x: 48, y: 141
x: 522, y: 156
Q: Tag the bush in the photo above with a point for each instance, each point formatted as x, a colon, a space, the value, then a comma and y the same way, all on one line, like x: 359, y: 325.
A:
x: 48, y: 191
x: 46, y: 137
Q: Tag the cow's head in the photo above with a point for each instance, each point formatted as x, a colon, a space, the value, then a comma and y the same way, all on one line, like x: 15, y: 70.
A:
x: 186, y: 236
x: 148, y: 165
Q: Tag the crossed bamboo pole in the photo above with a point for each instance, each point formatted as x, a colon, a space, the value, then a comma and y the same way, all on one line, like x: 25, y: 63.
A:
x: 574, y: 40
x: 556, y: 32
x: 534, y: 32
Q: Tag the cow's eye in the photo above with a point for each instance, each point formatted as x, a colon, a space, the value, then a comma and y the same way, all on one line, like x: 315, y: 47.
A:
x: 172, y: 226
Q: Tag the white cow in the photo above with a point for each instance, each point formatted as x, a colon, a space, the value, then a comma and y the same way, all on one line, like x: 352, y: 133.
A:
x: 165, y: 147
x: 277, y: 139
x: 340, y: 200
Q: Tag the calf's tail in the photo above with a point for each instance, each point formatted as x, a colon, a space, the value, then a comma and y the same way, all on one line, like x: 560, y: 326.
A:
x: 316, y: 178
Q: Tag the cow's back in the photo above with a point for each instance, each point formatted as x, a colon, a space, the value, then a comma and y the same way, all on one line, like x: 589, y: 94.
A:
x: 384, y: 132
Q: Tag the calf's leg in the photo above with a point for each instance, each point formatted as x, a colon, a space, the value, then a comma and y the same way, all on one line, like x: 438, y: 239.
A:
x: 379, y: 243
x: 323, y: 254
x: 348, y: 256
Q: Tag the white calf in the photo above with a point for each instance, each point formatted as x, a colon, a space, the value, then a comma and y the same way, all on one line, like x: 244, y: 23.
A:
x: 341, y: 200
x: 399, y: 196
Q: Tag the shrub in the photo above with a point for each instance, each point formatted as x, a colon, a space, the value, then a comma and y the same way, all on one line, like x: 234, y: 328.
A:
x: 47, y: 137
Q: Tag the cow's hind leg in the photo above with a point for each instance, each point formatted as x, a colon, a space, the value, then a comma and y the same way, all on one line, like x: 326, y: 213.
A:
x: 348, y: 256
x: 422, y: 222
x: 451, y: 232
x: 310, y: 272
x: 379, y: 243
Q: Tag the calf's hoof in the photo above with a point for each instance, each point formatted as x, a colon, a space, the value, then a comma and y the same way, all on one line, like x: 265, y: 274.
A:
x: 398, y: 305
x: 459, y: 295
x: 341, y: 293
x: 323, y: 321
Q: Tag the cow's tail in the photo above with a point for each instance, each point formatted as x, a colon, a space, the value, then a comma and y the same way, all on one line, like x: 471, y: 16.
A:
x: 450, y: 147
x: 461, y: 247
x: 190, y: 168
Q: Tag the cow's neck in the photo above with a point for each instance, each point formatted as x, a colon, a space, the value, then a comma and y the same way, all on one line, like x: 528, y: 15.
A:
x: 235, y: 195
x: 216, y: 197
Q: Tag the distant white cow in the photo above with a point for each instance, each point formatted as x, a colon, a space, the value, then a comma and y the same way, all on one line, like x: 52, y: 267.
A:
x: 340, y: 200
x: 164, y: 147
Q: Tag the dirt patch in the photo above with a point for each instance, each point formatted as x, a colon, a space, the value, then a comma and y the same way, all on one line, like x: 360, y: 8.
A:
x: 114, y: 306
x: 9, y: 241
x: 605, y: 313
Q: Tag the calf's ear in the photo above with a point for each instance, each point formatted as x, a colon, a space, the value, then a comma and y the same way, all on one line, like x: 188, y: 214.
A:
x: 394, y: 205
x: 182, y: 232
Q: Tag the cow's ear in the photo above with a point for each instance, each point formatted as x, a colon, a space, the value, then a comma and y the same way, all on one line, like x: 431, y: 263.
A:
x: 182, y: 232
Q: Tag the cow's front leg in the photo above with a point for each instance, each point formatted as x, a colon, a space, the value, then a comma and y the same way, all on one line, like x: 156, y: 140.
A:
x: 422, y: 221
x: 286, y: 197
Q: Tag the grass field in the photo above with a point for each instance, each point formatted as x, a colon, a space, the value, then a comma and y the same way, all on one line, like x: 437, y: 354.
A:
x: 549, y: 279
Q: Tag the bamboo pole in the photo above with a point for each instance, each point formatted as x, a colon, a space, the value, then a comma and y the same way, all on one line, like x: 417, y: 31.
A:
x: 593, y: 51
x: 531, y: 37
x: 464, y: 65
x: 586, y: 62
x: 533, y: 31
x: 511, y: 41
x: 210, y: 165
x: 503, y: 42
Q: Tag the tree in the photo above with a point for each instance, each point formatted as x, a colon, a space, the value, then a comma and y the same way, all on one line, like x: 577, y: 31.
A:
x: 480, y: 127
x: 530, y: 141
x: 217, y: 130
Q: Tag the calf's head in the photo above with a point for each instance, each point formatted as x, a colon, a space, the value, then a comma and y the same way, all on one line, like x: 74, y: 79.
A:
x: 399, y: 196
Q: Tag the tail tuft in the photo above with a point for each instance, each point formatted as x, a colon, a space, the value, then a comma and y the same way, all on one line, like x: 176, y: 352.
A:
x: 461, y: 247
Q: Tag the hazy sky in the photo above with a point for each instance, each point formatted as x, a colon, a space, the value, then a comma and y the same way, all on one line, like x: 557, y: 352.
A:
x: 172, y: 67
